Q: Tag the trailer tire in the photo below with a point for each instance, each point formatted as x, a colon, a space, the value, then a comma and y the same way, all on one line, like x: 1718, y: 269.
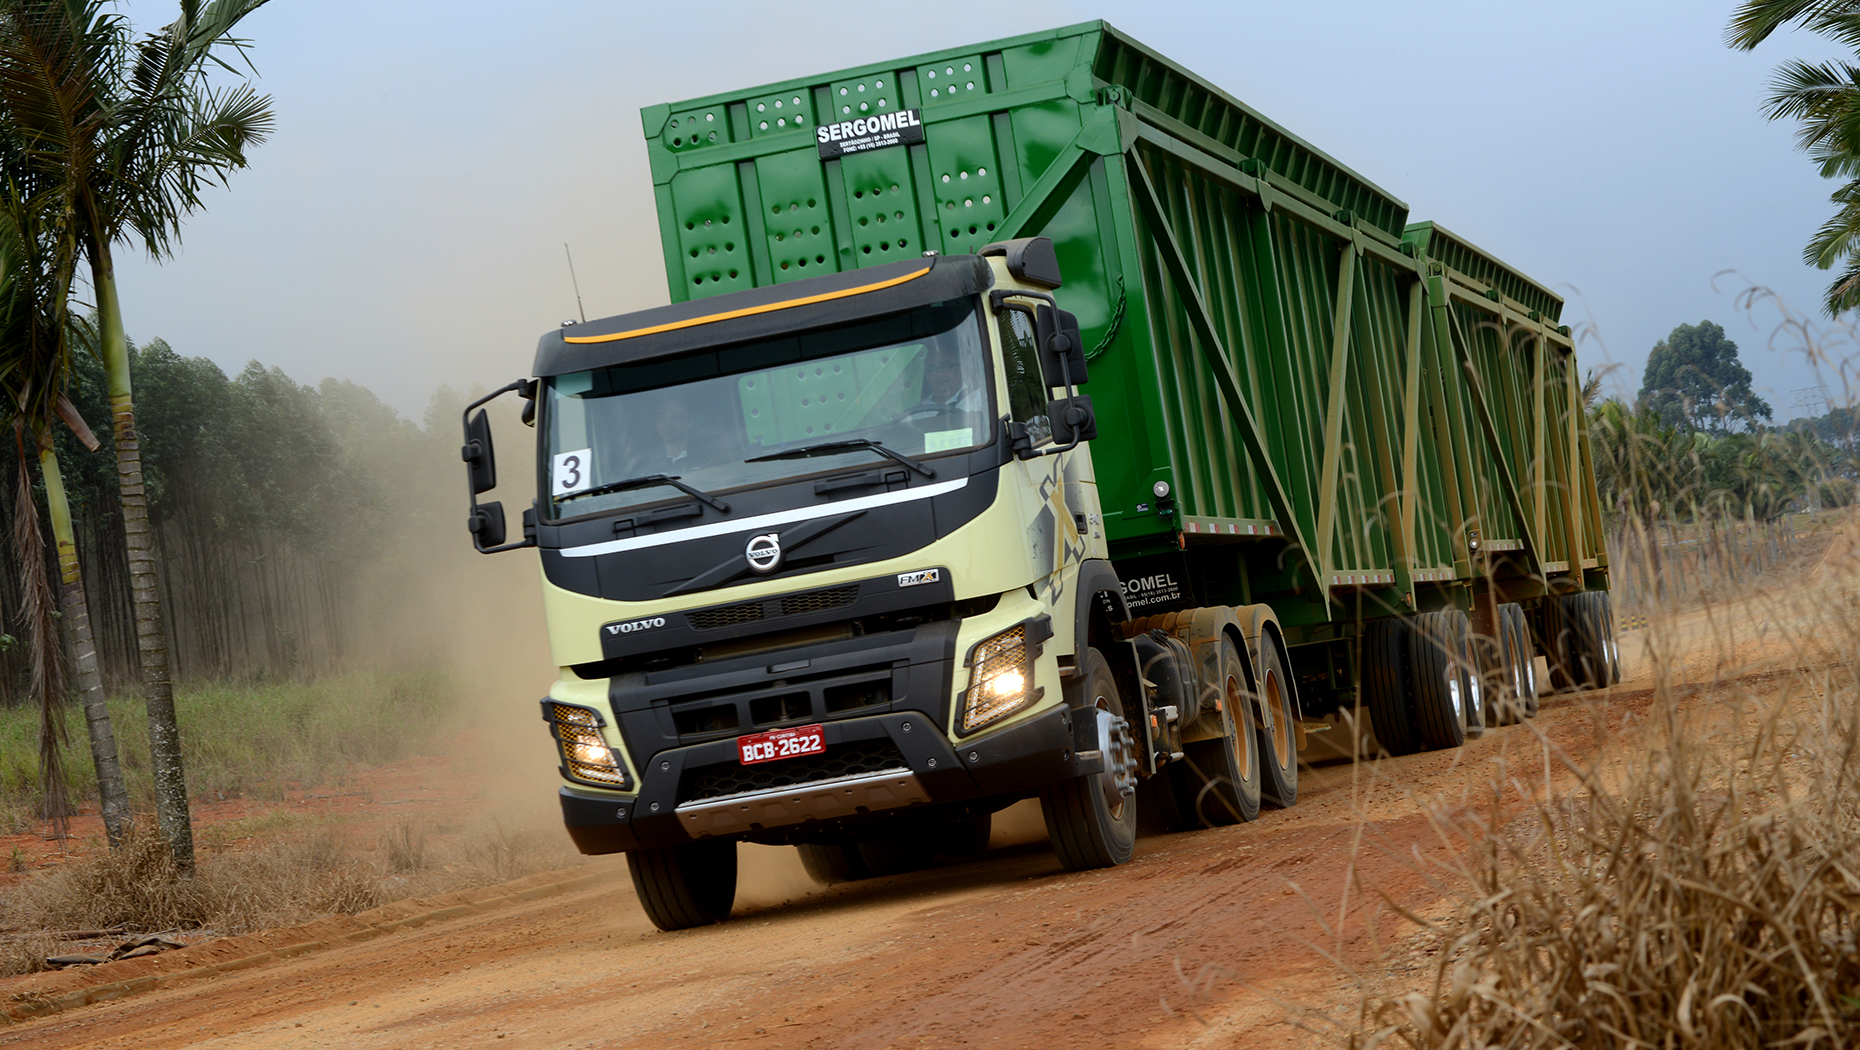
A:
x: 1218, y: 781
x: 686, y: 885
x: 1533, y: 687
x: 1579, y: 625
x: 1086, y: 829
x: 1519, y: 700
x: 1604, y: 615
x: 829, y: 864
x: 1385, y: 684
x: 1278, y: 746
x: 1438, y: 678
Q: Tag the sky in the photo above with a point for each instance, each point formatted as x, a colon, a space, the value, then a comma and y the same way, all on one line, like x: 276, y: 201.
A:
x: 404, y: 226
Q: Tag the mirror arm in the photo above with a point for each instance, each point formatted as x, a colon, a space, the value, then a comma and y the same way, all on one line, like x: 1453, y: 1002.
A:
x: 527, y: 388
x: 1065, y: 372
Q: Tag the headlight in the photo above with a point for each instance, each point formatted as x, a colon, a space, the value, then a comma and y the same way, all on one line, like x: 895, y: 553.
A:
x: 1000, y: 679
x: 585, y: 754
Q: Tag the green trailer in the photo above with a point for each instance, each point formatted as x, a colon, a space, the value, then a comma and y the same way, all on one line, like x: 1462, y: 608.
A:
x: 1239, y: 452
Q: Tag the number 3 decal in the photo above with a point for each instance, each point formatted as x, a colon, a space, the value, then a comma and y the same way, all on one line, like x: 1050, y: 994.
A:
x: 571, y: 471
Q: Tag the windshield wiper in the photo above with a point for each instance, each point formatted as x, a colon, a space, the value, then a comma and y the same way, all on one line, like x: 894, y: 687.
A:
x: 827, y: 448
x: 642, y: 482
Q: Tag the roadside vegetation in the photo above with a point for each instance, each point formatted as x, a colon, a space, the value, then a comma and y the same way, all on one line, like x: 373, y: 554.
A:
x: 1698, y: 885
x: 254, y: 739
x: 263, y: 741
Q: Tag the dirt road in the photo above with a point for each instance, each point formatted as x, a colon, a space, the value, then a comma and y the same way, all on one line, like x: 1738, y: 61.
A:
x: 1207, y: 938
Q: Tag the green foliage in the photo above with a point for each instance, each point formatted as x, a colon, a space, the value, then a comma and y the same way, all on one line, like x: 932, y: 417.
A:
x: 1649, y: 468
x: 1694, y: 379
x: 1824, y: 101
x: 250, y: 739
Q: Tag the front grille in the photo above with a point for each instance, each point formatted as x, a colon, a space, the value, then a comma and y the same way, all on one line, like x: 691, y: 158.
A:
x: 727, y: 616
x: 817, y: 601
x: 731, y: 778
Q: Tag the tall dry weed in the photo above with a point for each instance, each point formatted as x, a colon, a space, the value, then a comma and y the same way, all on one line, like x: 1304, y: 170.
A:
x: 1697, y: 885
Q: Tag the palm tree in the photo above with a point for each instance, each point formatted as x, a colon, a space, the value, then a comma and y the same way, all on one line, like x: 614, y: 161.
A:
x: 34, y: 371
x: 1753, y: 23
x: 1824, y: 100
x: 134, y: 134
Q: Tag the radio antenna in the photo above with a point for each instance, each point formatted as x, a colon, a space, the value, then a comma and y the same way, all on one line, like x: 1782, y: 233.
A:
x: 574, y: 282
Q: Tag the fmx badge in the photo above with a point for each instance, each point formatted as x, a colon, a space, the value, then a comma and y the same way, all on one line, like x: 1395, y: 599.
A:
x: 764, y: 552
x: 880, y: 131
x: 918, y: 578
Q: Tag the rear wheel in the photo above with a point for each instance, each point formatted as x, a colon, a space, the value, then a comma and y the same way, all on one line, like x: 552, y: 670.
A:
x: 1092, y: 820
x: 897, y: 854
x: 1385, y: 685
x: 1578, y: 623
x: 1526, y: 664
x: 1439, y: 682
x: 1604, y: 615
x: 1278, y: 746
x: 690, y: 884
x: 829, y: 864
x: 1218, y: 782
x: 1507, y: 700
x: 965, y: 836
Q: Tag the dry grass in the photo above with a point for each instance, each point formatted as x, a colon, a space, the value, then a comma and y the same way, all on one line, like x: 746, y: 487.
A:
x: 1699, y: 886
x: 308, y: 875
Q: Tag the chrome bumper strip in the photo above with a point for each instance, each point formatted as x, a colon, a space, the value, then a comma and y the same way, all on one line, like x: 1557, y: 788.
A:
x: 821, y: 800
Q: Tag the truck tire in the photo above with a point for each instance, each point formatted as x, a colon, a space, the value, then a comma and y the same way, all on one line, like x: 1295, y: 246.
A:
x: 1513, y: 664
x: 1385, y: 684
x: 1605, y: 627
x: 897, y: 854
x: 690, y: 884
x: 1578, y: 623
x: 1087, y: 829
x: 1527, y: 663
x: 1278, y: 746
x: 1491, y: 673
x: 832, y: 864
x: 965, y: 836
x: 1438, y: 678
x: 1218, y: 781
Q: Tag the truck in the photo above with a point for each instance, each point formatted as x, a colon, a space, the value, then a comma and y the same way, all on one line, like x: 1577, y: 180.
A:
x: 1033, y: 420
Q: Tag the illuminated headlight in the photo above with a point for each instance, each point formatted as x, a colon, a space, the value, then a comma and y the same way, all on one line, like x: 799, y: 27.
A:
x: 1000, y: 679
x: 585, y: 754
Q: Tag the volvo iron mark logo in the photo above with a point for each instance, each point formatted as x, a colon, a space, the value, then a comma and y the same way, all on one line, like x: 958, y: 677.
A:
x: 764, y: 552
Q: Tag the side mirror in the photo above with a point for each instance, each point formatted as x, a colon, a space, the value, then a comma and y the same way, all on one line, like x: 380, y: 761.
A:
x: 1073, y: 419
x: 487, y: 526
x: 481, y: 462
x: 1062, y: 350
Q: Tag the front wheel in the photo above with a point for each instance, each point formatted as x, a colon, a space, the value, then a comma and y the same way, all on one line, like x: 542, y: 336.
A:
x: 690, y: 884
x: 1092, y: 820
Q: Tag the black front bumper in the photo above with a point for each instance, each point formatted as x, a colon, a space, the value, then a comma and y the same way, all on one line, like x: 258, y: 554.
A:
x: 1011, y: 763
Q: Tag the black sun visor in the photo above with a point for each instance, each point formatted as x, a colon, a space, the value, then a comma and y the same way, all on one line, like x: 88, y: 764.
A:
x: 761, y: 313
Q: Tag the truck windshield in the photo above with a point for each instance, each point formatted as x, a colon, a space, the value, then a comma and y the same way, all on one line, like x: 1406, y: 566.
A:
x: 916, y: 383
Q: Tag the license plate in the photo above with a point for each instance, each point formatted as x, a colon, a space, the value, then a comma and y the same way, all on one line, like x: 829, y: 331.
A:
x: 781, y: 743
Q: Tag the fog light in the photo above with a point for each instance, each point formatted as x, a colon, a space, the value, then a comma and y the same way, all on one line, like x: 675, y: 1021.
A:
x: 585, y: 754
x: 1000, y: 679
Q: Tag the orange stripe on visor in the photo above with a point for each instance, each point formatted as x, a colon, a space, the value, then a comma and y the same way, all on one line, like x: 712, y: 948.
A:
x: 746, y: 311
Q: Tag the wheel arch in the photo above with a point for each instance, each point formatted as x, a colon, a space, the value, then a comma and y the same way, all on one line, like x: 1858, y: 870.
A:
x: 1099, y: 614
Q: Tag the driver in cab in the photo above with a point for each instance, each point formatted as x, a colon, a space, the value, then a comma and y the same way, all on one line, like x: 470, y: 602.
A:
x: 944, y: 393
